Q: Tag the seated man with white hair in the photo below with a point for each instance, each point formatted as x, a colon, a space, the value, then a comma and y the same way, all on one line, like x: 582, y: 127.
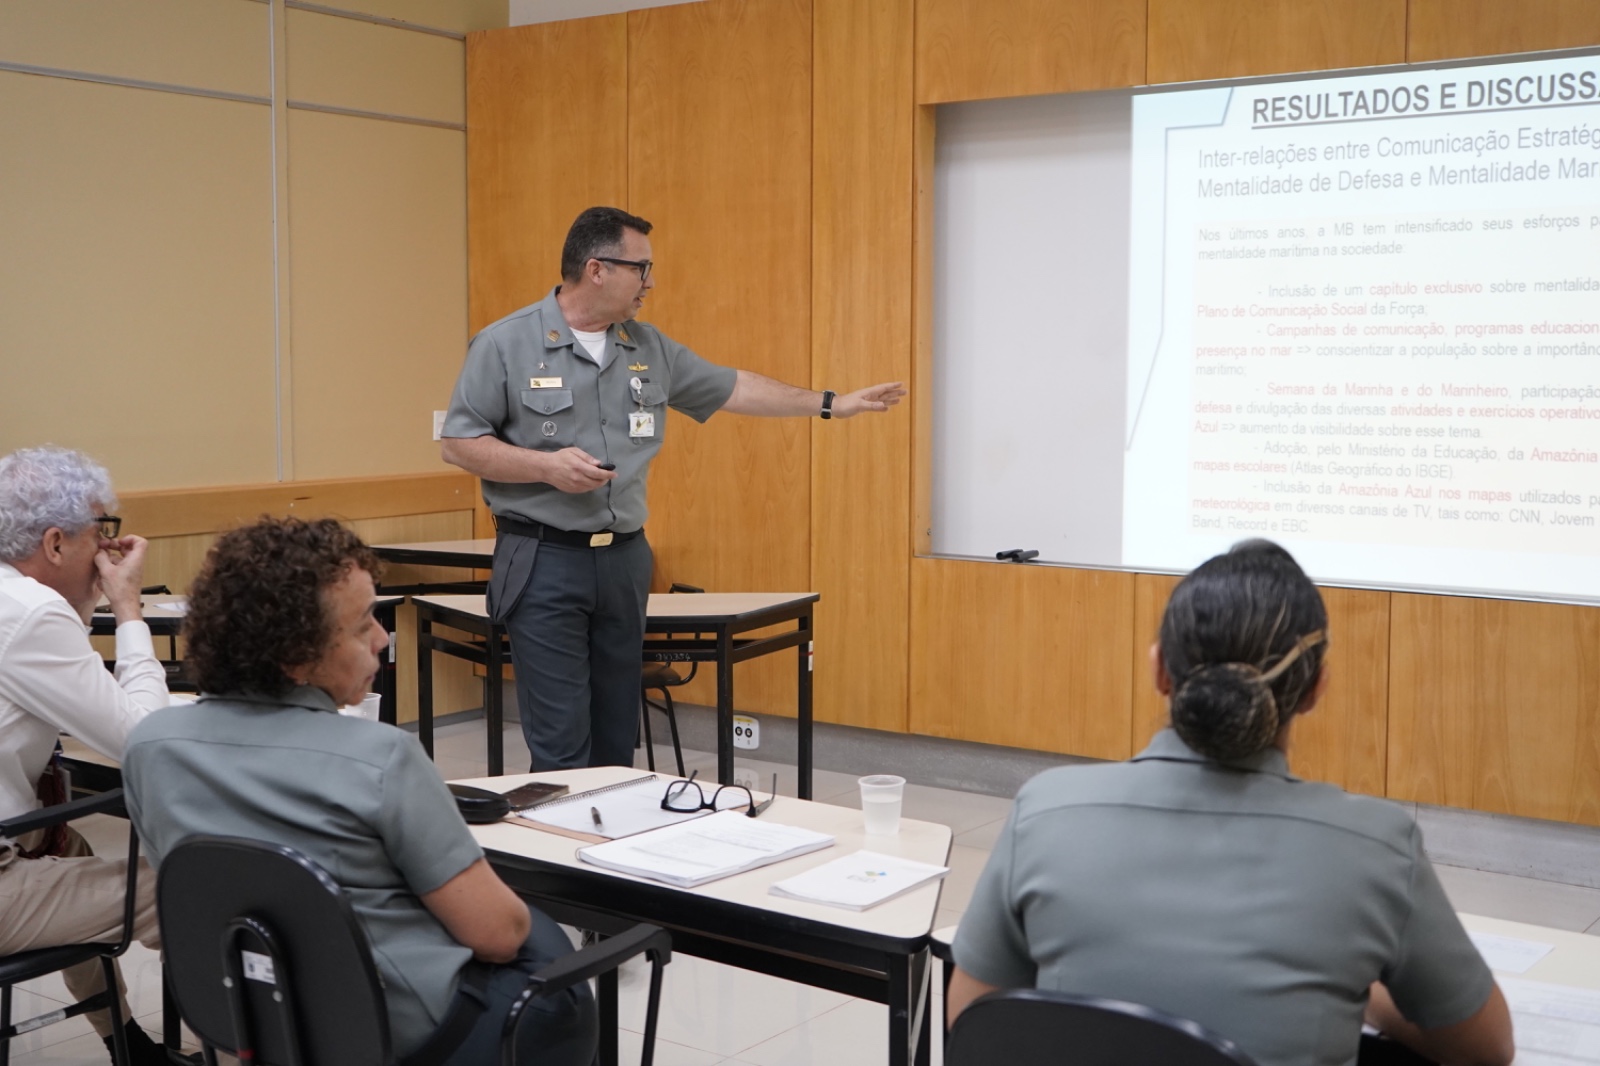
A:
x: 59, y: 551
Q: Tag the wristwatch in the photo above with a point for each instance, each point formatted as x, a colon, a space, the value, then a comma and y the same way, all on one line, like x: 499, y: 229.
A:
x: 827, y: 403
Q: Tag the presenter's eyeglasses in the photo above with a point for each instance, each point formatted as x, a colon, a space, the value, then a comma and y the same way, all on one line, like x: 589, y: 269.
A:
x: 685, y: 796
x: 641, y: 265
x: 109, y: 525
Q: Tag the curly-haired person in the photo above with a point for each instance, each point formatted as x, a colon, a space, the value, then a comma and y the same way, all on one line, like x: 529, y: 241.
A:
x: 280, y: 634
x: 1202, y: 879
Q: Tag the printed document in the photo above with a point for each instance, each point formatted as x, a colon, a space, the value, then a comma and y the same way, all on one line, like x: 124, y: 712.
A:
x: 856, y: 882
x: 707, y: 849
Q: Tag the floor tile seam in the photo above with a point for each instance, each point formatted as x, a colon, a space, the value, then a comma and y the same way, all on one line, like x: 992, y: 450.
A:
x: 46, y: 996
x: 785, y: 1032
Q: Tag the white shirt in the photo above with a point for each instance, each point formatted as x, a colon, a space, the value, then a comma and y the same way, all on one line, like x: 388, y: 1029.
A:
x: 593, y: 345
x: 52, y: 681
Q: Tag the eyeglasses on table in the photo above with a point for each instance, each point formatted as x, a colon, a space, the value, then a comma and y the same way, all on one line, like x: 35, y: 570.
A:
x: 685, y: 796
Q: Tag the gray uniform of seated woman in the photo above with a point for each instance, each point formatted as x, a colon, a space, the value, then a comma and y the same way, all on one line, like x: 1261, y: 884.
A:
x: 1203, y: 879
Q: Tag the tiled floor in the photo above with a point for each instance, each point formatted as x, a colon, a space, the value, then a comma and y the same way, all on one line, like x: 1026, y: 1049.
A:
x: 713, y: 1015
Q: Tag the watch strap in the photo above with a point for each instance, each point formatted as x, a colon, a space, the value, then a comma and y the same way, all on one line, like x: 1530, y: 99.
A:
x: 827, y: 403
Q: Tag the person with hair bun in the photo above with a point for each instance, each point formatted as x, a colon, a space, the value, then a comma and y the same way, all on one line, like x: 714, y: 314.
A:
x: 280, y: 634
x: 1202, y: 879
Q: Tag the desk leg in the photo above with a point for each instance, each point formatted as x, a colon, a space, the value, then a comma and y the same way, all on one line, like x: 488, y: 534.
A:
x: 606, y: 1002
x: 388, y: 686
x: 909, y: 1010
x: 425, y: 679
x: 803, y: 726
x: 492, y: 692
x: 724, y: 707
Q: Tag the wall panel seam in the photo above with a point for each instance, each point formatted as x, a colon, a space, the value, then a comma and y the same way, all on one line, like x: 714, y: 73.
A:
x: 132, y: 83
x: 382, y: 116
x: 376, y: 20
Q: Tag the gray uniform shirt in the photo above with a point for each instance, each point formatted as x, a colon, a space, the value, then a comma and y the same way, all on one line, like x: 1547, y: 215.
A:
x: 1238, y: 896
x: 359, y: 798
x: 524, y: 383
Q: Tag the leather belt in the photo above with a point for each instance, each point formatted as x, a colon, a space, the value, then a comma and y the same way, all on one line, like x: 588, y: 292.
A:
x: 568, y: 538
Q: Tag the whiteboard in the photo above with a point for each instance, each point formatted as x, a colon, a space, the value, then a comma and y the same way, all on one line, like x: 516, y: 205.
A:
x: 1030, y: 297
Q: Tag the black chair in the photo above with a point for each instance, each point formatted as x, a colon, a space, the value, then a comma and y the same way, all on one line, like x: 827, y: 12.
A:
x: 1032, y: 1027
x: 662, y: 678
x: 27, y: 965
x: 269, y: 963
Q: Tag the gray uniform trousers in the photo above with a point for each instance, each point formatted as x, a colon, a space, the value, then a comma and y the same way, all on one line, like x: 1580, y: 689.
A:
x: 577, y: 636
x: 557, y: 1030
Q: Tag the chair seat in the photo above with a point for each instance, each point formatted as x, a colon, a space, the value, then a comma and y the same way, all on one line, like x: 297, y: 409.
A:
x: 661, y: 675
x: 26, y: 965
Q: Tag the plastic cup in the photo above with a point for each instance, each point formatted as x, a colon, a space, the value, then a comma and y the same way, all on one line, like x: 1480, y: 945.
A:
x: 881, y: 797
x: 367, y: 708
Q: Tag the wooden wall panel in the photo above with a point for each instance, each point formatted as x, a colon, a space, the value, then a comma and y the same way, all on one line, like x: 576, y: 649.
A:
x: 860, y: 334
x: 379, y: 291
x: 153, y: 40
x: 1150, y: 595
x: 543, y: 143
x: 1197, y: 39
x: 981, y: 49
x: 719, y: 134
x: 1025, y: 656
x: 343, y: 62
x: 1343, y: 740
x: 1454, y: 29
x: 136, y: 311
x: 1495, y: 705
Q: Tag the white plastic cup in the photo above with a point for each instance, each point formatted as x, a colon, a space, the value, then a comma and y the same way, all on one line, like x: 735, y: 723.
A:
x: 367, y: 708
x: 881, y: 797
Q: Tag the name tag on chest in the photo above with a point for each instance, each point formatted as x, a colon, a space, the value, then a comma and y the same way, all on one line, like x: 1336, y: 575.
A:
x: 641, y: 423
x: 544, y: 383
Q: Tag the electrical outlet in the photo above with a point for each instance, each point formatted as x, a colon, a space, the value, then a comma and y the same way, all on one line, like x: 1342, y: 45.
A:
x: 746, y: 777
x: 438, y: 424
x: 746, y: 732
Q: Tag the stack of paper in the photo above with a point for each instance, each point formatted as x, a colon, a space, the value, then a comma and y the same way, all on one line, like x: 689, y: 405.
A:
x: 692, y: 853
x: 858, y: 881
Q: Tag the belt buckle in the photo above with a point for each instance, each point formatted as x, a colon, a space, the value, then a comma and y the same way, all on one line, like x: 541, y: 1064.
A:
x: 600, y: 540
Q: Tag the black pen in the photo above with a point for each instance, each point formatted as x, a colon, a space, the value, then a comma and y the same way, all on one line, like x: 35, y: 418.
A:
x: 594, y: 812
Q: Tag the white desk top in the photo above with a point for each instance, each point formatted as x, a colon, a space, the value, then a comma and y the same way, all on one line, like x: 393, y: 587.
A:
x: 1575, y: 960
x: 907, y: 916
x: 662, y: 605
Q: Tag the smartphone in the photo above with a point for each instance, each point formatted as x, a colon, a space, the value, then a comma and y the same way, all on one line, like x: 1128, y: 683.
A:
x: 534, y: 793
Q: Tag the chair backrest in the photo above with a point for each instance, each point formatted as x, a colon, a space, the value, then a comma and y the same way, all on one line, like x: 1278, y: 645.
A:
x: 268, y: 922
x: 1032, y: 1026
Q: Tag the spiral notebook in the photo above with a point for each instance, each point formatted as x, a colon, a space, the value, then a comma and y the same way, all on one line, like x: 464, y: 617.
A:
x: 625, y: 808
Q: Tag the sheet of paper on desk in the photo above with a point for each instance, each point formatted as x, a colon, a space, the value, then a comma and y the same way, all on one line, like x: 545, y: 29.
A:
x: 634, y: 807
x: 174, y: 607
x: 709, y: 849
x: 856, y: 882
x: 1556, y: 1025
x: 1509, y: 954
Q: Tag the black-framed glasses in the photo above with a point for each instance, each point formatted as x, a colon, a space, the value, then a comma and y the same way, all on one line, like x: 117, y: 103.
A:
x: 641, y: 265
x: 109, y: 525
x: 686, y: 797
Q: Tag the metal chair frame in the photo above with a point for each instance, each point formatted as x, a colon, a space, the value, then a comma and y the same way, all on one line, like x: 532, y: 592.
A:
x: 40, y: 962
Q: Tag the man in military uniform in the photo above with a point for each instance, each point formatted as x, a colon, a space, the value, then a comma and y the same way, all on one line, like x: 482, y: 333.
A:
x: 560, y: 408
